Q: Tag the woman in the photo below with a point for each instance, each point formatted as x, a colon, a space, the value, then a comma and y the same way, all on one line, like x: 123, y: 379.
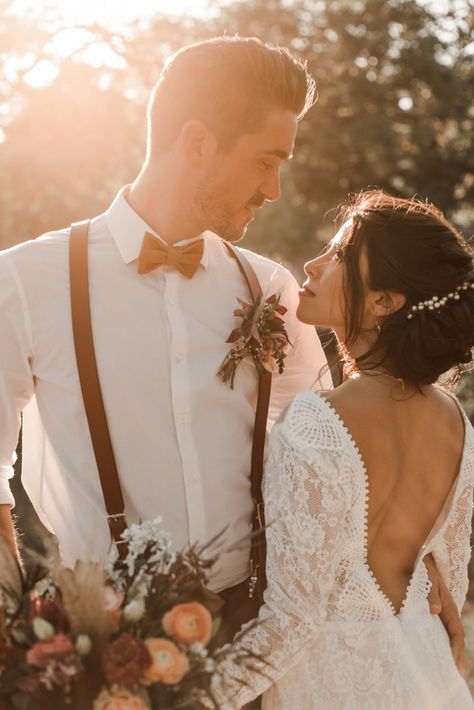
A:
x: 363, y: 482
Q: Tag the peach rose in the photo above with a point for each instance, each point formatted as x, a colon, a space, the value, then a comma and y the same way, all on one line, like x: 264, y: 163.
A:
x: 168, y: 664
x: 120, y: 699
x: 188, y: 623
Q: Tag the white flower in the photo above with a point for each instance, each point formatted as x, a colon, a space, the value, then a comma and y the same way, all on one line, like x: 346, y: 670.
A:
x: 45, y: 587
x: 209, y: 665
x: 134, y: 610
x: 146, y: 535
x: 83, y: 644
x: 42, y: 628
x: 199, y: 649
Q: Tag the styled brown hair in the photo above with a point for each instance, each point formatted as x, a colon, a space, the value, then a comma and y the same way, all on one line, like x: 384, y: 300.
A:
x: 228, y: 83
x: 411, y: 249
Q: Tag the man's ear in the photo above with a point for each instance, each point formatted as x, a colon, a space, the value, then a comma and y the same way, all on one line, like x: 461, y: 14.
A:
x: 384, y: 303
x: 198, y: 142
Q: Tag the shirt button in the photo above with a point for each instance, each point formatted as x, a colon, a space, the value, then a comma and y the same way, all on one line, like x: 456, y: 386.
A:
x: 183, y: 417
x: 171, y: 301
x: 178, y: 357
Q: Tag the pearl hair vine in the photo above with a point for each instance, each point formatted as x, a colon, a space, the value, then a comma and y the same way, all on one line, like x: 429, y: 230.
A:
x: 434, y: 303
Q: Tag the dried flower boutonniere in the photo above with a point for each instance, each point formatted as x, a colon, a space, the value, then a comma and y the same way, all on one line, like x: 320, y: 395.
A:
x: 261, y: 335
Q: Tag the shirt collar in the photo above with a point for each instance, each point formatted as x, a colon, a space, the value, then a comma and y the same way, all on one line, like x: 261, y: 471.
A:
x: 128, y: 229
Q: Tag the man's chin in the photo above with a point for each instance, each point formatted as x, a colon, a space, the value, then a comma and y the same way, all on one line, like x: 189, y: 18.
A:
x: 231, y: 233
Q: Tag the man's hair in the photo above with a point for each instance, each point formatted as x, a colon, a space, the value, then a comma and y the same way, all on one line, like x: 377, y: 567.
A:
x: 228, y: 83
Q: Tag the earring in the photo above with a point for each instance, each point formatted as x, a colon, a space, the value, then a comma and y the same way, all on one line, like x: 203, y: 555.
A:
x: 377, y: 326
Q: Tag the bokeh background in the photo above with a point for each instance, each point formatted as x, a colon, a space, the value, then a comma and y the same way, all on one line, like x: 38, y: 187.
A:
x: 395, y: 110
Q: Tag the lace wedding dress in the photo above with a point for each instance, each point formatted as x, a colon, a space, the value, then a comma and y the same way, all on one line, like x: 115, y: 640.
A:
x: 332, y: 640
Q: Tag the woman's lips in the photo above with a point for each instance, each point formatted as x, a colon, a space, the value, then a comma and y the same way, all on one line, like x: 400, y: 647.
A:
x: 305, y: 291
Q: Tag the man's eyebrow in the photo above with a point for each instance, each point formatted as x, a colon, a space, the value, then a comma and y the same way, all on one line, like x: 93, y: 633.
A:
x: 282, y: 154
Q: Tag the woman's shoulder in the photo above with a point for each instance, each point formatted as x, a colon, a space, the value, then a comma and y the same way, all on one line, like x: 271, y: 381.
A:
x: 320, y: 451
x: 458, y: 414
x: 311, y: 421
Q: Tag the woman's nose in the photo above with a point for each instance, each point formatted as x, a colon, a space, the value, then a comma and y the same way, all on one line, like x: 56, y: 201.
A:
x: 310, y: 268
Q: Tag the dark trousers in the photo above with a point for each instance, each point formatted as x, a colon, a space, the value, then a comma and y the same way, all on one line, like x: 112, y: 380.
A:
x: 237, y: 610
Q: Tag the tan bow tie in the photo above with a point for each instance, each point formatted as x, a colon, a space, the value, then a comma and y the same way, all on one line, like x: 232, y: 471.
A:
x: 154, y: 253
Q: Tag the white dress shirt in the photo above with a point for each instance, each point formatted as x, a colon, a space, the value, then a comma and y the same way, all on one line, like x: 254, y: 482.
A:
x: 182, y: 439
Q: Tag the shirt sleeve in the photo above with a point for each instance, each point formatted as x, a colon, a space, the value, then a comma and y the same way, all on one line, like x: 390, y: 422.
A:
x: 16, y: 379
x: 306, y: 503
x: 305, y: 365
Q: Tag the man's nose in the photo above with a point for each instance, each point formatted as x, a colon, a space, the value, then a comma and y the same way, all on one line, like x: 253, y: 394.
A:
x: 271, y: 187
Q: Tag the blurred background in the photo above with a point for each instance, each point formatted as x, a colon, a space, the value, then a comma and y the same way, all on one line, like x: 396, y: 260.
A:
x: 395, y: 110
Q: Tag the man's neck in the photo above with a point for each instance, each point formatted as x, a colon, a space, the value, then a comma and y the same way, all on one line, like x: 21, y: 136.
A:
x: 160, y: 202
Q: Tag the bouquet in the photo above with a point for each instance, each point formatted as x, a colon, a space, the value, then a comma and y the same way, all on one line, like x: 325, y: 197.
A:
x: 128, y: 635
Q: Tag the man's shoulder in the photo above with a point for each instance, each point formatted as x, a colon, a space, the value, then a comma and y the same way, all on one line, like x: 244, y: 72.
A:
x: 43, y: 248
x: 33, y: 247
x: 34, y: 254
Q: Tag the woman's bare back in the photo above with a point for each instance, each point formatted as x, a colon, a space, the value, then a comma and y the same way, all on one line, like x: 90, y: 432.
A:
x: 411, y: 444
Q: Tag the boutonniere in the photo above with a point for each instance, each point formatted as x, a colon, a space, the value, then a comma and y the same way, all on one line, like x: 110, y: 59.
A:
x: 261, y: 335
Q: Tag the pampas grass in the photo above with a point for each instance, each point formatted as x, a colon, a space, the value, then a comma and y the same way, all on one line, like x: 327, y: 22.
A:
x: 82, y: 591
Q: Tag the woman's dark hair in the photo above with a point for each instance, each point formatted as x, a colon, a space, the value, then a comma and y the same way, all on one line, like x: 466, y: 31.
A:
x: 411, y: 249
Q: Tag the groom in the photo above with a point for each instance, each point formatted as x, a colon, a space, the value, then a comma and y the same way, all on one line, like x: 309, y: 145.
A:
x: 222, y: 121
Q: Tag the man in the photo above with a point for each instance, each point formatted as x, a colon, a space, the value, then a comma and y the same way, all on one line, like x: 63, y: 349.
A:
x: 222, y: 121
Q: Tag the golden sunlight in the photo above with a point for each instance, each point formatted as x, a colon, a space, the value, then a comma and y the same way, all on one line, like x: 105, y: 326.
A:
x: 72, y: 35
x: 110, y: 12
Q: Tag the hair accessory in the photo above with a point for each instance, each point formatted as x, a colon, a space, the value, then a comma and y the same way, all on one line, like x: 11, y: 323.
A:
x: 434, y: 303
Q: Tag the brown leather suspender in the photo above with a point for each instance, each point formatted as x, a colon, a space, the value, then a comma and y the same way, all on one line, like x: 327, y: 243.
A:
x: 96, y: 416
x: 258, y: 551
x: 89, y: 379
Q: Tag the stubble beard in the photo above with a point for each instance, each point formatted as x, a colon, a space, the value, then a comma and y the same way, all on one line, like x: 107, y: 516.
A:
x: 216, y: 213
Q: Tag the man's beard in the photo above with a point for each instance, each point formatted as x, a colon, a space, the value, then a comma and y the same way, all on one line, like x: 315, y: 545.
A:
x: 217, y: 214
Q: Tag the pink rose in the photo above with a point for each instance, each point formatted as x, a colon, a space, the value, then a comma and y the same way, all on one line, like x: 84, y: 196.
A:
x: 40, y: 653
x: 120, y: 699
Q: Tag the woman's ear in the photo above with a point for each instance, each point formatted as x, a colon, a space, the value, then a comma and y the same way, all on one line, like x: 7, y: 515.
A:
x: 384, y: 303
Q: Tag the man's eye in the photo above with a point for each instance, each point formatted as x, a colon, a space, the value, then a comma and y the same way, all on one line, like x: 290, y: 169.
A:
x: 265, y: 165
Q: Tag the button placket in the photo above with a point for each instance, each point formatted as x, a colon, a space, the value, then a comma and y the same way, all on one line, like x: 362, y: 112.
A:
x: 181, y: 403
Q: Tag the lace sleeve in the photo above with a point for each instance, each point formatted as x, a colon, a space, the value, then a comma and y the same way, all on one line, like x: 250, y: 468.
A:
x: 305, y: 503
x: 452, y: 551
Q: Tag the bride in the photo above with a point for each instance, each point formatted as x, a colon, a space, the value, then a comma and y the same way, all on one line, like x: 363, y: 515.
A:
x: 363, y: 482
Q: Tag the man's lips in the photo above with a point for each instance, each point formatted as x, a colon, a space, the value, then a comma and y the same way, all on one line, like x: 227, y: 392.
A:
x: 305, y: 291
x: 252, y: 210
x: 254, y: 206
